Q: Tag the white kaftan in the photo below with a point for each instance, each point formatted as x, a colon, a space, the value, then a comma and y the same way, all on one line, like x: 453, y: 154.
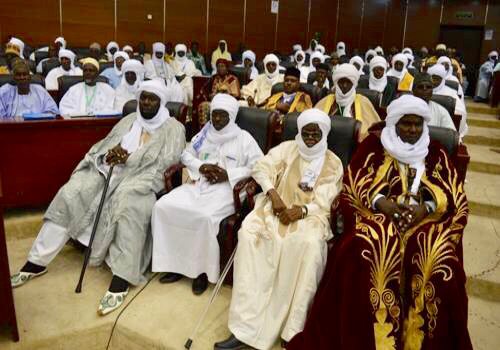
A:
x: 82, y: 99
x: 51, y: 79
x: 186, y: 221
x: 277, y: 268
x: 260, y: 88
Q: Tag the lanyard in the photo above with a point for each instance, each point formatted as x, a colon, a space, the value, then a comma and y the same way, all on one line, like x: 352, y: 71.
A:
x: 89, y: 99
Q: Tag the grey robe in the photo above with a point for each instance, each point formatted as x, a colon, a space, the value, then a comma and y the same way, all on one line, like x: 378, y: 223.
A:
x: 123, y: 236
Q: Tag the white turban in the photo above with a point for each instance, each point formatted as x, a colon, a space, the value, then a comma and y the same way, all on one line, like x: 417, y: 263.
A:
x: 69, y: 55
x: 320, y: 48
x: 226, y: 103
x: 128, y: 48
x: 406, y: 153
x: 319, y: 55
x: 95, y: 46
x: 249, y: 54
x: 19, y: 43
x: 379, y: 50
x: 131, y: 140
x: 350, y: 72
x: 340, y: 48
x: 407, y: 50
x: 179, y: 48
x: 370, y: 52
x: 158, y: 47
x: 61, y: 41
x: 315, y: 155
x: 449, y: 71
x: 132, y: 66
x: 301, y: 62
x: 358, y: 60
x: 272, y: 58
x: 297, y: 47
x: 123, y: 55
x: 400, y: 57
x: 439, y: 70
x: 410, y: 58
x: 493, y: 54
x: 441, y: 47
x: 112, y: 44
x: 374, y: 83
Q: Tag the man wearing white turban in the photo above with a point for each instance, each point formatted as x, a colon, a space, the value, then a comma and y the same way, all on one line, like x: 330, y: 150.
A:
x: 438, y: 75
x: 485, y: 75
x: 399, y: 70
x: 357, y: 62
x: 184, y: 69
x: 217, y: 158
x: 446, y: 62
x: 132, y: 77
x: 404, y: 211
x: 377, y: 80
x: 258, y: 90
x: 341, y: 49
x: 296, y: 47
x: 346, y: 102
x: 248, y: 58
x: 379, y: 50
x: 140, y: 147
x: 441, y: 51
x: 59, y: 43
x: 67, y: 67
x: 114, y: 74
x: 89, y: 97
x: 300, y: 60
x: 111, y: 48
x: 282, y: 243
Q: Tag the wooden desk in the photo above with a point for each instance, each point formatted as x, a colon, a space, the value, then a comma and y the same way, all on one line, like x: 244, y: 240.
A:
x: 38, y: 157
x: 7, y: 310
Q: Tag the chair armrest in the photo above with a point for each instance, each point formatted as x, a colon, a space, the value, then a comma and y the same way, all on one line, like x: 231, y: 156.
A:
x: 252, y: 189
x: 336, y: 218
x: 168, y: 175
x: 240, y: 186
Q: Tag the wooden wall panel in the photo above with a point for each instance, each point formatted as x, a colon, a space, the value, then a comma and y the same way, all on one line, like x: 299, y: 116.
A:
x: 292, y: 24
x: 87, y: 21
x: 477, y: 7
x: 260, y: 27
x: 133, y: 25
x: 374, y: 20
x: 226, y: 22
x: 33, y: 21
x: 349, y: 23
x: 323, y: 20
x: 422, y: 26
x: 186, y: 21
x: 492, y: 22
x: 393, y: 35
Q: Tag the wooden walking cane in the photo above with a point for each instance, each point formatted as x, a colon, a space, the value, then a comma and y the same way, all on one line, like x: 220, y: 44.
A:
x: 88, y: 251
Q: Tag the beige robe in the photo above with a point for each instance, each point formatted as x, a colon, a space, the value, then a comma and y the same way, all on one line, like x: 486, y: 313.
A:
x: 260, y: 88
x: 362, y: 109
x: 277, y: 268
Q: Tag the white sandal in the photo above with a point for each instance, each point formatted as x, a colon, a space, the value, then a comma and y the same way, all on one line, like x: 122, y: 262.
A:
x: 22, y: 277
x: 111, y: 301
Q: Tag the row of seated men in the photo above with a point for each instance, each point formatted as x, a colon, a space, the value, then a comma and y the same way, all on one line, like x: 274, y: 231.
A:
x: 91, y: 96
x: 395, y: 274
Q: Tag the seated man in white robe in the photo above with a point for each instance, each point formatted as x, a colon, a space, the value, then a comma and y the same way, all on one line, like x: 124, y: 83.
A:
x: 259, y: 90
x: 422, y: 88
x: 114, y: 74
x: 89, y: 97
x: 186, y: 221
x: 140, y: 147
x: 22, y: 97
x: 67, y: 67
x: 282, y: 244
x: 111, y: 48
x: 248, y: 58
x: 184, y: 69
x: 157, y: 68
x: 446, y: 62
x: 133, y: 76
x: 438, y: 75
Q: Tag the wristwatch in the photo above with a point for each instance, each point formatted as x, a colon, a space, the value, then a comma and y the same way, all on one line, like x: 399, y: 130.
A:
x: 304, y: 211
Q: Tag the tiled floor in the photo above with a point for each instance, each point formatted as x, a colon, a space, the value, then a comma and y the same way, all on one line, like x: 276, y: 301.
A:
x: 52, y: 316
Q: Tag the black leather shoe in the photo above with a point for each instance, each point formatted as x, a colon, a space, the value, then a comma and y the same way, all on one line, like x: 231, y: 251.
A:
x: 200, y: 284
x: 230, y: 343
x: 171, y: 277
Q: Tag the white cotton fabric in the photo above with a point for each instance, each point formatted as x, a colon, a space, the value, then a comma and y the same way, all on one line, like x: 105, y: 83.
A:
x: 117, y: 54
x: 61, y: 41
x: 400, y: 57
x: 314, y: 155
x: 345, y: 100
x: 126, y: 92
x: 406, y: 153
x: 341, y: 49
x: 249, y: 54
x: 297, y: 47
x: 449, y: 72
x: 51, y: 79
x: 229, y: 104
x: 274, y: 75
x: 368, y: 53
x: 374, y: 83
x: 131, y: 140
x: 69, y: 55
x: 302, y: 61
x: 407, y: 50
x: 410, y: 58
x: 379, y: 50
x: 128, y: 48
x: 111, y: 44
x: 320, y: 48
x: 358, y: 60
x: 19, y: 43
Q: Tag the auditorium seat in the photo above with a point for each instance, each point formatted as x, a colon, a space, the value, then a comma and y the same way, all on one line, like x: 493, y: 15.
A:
x: 452, y: 84
x: 259, y: 123
x: 312, y: 77
x: 373, y: 95
x: 8, y: 79
x: 314, y: 92
x: 50, y: 64
x: 387, y: 97
x: 448, y: 103
x: 105, y: 65
x: 67, y: 81
x: 241, y: 73
x: 40, y: 55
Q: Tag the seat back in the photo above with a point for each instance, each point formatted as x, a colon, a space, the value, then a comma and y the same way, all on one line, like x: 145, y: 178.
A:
x: 258, y: 122
x: 260, y: 66
x: 314, y: 92
x: 342, y: 139
x: 81, y: 52
x: 241, y: 73
x: 364, y: 82
x: 447, y: 102
x: 447, y: 137
x: 50, y: 64
x: 312, y: 77
x: 175, y: 109
x: 67, y: 81
x: 40, y: 55
x: 372, y: 95
x: 9, y: 79
x: 105, y: 65
x: 452, y: 84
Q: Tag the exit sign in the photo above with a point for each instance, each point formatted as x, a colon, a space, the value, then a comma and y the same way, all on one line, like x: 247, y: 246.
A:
x: 464, y: 15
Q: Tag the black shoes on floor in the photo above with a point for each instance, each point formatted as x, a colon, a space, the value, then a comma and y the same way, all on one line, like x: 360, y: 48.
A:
x: 200, y: 283
x: 231, y: 343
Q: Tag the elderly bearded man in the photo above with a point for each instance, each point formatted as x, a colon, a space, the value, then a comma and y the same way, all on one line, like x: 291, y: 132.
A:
x: 140, y: 147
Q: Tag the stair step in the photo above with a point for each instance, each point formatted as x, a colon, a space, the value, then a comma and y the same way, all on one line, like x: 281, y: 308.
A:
x: 482, y: 140
x: 483, y: 167
x: 484, y: 123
